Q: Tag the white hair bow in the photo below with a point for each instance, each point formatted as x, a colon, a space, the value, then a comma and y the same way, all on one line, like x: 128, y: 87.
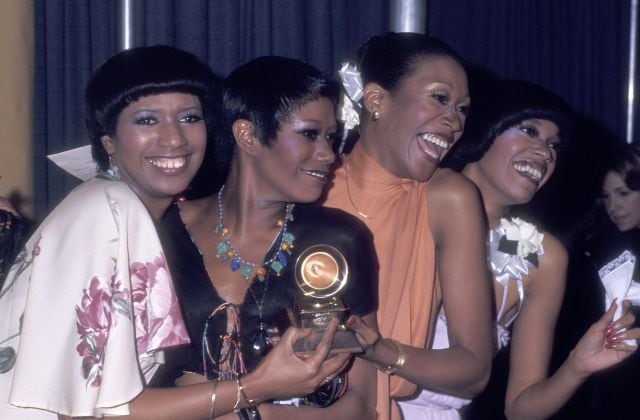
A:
x: 352, y: 84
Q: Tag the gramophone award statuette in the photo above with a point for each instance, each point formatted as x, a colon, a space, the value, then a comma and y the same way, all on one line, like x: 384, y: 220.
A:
x: 322, y: 273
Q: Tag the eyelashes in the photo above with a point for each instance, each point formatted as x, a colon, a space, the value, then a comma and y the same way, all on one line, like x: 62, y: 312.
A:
x: 149, y: 118
x: 533, y: 132
x: 529, y: 130
x: 145, y: 119
x: 192, y: 117
x: 464, y: 110
x: 310, y: 134
x: 443, y: 99
x: 440, y: 97
x: 313, y: 135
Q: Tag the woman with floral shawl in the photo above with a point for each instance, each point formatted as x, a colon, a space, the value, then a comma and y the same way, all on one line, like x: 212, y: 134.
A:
x: 89, y: 305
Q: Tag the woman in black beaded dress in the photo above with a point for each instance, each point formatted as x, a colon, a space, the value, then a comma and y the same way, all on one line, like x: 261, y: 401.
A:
x: 232, y: 254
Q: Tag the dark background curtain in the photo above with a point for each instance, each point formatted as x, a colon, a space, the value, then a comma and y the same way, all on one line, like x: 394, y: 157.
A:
x: 577, y: 48
x: 73, y: 37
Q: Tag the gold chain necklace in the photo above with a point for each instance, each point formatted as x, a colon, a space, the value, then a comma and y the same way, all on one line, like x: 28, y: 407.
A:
x: 361, y: 213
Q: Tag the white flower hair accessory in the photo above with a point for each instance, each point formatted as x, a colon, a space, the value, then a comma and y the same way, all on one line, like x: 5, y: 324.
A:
x: 351, y: 81
x: 353, y: 92
x: 514, y: 247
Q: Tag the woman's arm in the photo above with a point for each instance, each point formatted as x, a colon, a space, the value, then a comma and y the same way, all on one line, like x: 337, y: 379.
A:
x: 528, y: 389
x: 281, y: 375
x: 459, y: 230
x: 458, y: 224
x: 358, y: 402
x: 530, y: 393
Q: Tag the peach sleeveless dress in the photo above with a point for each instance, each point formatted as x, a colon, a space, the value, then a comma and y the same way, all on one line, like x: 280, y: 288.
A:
x: 395, y: 210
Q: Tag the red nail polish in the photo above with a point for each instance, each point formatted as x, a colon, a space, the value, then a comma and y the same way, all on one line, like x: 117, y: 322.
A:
x: 611, y: 345
x: 608, y: 331
x: 613, y: 338
x: 352, y: 321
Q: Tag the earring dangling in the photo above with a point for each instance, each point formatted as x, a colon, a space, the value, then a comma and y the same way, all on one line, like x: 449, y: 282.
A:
x: 375, y: 116
x: 113, y: 170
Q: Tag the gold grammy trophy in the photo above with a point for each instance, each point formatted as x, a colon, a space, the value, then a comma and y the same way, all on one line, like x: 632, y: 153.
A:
x: 322, y: 273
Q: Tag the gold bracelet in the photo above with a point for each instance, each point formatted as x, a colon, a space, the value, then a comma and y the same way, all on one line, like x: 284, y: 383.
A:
x: 213, y: 400
x: 399, y: 363
x: 236, y: 406
x: 250, y: 403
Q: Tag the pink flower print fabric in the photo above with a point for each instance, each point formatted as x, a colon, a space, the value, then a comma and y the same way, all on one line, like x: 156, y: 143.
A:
x: 97, y: 312
x: 87, y: 309
x: 158, y: 320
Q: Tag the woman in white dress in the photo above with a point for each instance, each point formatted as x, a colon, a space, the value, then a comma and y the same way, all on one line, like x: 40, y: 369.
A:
x: 510, y: 150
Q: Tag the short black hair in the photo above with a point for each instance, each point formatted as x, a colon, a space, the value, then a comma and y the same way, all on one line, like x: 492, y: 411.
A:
x: 131, y: 74
x: 267, y: 91
x: 387, y: 59
x: 501, y: 105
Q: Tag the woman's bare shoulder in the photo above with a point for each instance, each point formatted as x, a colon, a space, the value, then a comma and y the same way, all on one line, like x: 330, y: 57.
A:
x: 550, y: 275
x: 555, y: 253
x: 448, y: 187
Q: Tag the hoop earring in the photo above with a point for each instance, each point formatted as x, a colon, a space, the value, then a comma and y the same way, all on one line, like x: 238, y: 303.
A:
x: 375, y: 116
x: 113, y: 170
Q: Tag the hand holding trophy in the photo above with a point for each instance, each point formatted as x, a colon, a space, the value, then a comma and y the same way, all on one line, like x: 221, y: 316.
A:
x: 321, y: 274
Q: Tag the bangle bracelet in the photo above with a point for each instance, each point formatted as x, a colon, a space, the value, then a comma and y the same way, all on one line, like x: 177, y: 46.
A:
x: 250, y: 403
x: 238, y: 395
x: 399, y: 363
x: 212, y: 409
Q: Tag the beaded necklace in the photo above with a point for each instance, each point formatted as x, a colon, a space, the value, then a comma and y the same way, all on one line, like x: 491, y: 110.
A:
x: 278, y: 261
x: 227, y: 252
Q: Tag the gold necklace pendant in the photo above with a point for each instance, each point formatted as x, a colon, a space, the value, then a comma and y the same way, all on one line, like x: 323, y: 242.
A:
x: 361, y: 213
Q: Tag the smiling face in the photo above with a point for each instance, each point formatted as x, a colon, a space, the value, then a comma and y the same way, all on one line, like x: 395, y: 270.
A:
x: 421, y: 119
x: 621, y: 202
x: 295, y: 167
x: 518, y: 163
x: 158, y: 145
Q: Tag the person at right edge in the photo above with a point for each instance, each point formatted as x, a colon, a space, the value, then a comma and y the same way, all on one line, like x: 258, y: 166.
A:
x: 614, y: 228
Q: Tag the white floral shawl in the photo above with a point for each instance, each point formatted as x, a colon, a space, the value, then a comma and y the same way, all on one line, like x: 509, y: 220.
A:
x: 85, y: 308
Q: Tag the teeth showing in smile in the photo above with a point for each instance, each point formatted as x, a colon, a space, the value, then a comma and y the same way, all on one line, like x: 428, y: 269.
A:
x: 317, y: 174
x: 438, y: 141
x: 527, y: 170
x: 168, y: 163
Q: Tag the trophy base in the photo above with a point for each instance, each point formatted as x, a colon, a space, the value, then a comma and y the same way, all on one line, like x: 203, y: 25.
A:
x: 344, y: 341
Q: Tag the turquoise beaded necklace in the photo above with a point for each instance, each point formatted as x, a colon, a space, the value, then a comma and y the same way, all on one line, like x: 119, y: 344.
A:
x: 227, y: 252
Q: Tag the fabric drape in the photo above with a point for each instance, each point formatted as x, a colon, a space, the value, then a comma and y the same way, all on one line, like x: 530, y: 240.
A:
x: 395, y: 210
